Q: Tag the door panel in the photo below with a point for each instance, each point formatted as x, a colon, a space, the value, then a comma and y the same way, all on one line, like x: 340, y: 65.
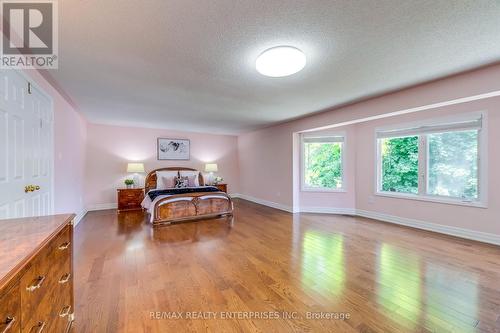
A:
x: 42, y: 151
x: 4, y: 159
x: 20, y: 208
x: 35, y: 202
x: 45, y: 203
x: 18, y: 149
x: 4, y: 211
x: 26, y: 153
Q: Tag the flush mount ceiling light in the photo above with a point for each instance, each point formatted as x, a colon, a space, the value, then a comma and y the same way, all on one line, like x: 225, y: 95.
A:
x: 280, y: 61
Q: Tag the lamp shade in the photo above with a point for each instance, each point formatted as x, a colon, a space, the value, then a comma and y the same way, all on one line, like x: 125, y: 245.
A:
x: 135, y: 167
x: 211, y: 167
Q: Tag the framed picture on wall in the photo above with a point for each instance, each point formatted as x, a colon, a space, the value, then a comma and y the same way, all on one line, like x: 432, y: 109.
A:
x: 173, y: 149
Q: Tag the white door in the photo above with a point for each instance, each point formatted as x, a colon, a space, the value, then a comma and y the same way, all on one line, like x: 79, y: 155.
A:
x: 26, y: 154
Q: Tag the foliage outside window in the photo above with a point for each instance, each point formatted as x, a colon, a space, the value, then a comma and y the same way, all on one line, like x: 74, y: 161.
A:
x: 322, y: 158
x: 448, y: 156
x: 400, y: 164
x: 453, y: 164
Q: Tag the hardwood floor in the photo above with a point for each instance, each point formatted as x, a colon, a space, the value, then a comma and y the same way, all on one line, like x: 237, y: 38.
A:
x: 271, y: 263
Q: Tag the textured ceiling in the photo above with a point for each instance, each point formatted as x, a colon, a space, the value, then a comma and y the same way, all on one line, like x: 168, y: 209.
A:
x: 190, y: 64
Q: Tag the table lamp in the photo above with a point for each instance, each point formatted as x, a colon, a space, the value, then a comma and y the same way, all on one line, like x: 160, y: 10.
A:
x: 135, y: 168
x: 211, y: 168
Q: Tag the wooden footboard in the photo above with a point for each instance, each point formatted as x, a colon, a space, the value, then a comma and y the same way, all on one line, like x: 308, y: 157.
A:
x: 192, y: 206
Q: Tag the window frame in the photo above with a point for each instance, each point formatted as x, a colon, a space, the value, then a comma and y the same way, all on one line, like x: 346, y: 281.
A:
x: 303, y: 186
x: 423, y: 162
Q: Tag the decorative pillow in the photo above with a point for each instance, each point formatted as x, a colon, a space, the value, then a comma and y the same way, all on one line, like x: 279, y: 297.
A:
x: 181, y: 182
x: 168, y: 182
x: 194, y: 182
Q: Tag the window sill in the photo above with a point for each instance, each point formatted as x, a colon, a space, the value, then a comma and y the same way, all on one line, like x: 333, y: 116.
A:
x: 322, y: 190
x: 457, y: 202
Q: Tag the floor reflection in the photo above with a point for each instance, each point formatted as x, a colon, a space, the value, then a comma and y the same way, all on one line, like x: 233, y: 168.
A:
x: 450, y: 297
x: 406, y: 288
x: 193, y: 231
x: 130, y: 222
x: 416, y: 294
x: 399, y: 285
x: 323, y: 262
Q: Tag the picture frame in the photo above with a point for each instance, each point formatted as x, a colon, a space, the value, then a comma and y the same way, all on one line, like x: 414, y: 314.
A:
x: 173, y: 149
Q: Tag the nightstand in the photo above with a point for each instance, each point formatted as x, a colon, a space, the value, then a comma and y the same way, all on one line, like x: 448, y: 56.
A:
x: 130, y: 199
x: 222, y: 187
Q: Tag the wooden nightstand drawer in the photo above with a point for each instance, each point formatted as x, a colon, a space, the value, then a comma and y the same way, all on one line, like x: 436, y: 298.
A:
x: 130, y: 199
x: 222, y: 187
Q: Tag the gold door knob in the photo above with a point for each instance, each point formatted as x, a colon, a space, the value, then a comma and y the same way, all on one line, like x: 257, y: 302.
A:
x: 31, y: 188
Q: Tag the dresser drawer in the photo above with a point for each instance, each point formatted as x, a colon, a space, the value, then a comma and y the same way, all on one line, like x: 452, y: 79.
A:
x: 61, y: 309
x: 36, y: 283
x: 41, y: 285
x: 10, y: 311
x: 61, y: 246
x: 38, y: 323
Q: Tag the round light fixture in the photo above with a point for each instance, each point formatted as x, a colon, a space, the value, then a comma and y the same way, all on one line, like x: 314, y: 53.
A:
x: 280, y: 61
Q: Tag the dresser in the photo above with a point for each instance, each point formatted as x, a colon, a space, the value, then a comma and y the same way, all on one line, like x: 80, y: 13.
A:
x: 36, y: 274
x: 130, y: 199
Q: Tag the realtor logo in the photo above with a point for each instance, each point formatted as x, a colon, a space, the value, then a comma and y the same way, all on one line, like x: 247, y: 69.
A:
x: 29, y: 34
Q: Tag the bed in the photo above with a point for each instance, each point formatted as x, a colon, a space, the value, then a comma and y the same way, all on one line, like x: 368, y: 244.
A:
x: 169, y: 205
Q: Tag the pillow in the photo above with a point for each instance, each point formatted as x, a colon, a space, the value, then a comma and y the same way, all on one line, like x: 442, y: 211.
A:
x: 194, y: 181
x: 168, y: 182
x: 181, y: 182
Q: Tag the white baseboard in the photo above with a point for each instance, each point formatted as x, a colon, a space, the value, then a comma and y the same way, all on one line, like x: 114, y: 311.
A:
x: 103, y: 206
x: 439, y: 228
x: 263, y: 202
x: 79, y: 217
x: 328, y: 210
x: 91, y: 208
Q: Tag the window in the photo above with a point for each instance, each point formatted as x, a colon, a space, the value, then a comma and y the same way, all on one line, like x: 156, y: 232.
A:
x: 438, y: 161
x: 453, y: 164
x: 400, y: 164
x: 322, y: 161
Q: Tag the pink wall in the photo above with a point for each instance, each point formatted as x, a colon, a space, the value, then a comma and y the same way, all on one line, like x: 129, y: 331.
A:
x: 69, y: 150
x: 109, y: 148
x: 266, y: 155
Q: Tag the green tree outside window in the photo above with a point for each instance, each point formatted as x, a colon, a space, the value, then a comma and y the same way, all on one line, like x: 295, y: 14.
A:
x: 400, y: 164
x: 323, y: 165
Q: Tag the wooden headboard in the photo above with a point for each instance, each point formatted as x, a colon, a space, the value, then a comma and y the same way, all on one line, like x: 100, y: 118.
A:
x: 150, y: 182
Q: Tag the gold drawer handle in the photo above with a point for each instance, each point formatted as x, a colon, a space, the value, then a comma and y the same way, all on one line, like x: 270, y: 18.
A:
x: 65, y: 278
x: 64, y: 246
x: 65, y: 311
x: 36, y: 286
x: 9, y: 322
x: 41, y: 326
